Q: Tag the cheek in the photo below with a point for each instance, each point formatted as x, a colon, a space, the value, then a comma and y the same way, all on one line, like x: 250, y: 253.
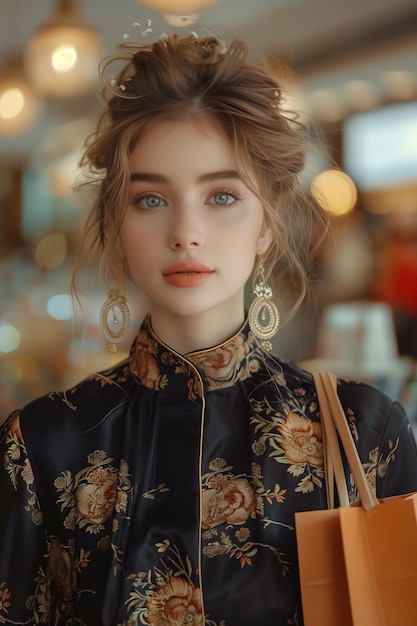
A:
x: 136, y: 253
x: 134, y: 240
x: 253, y: 239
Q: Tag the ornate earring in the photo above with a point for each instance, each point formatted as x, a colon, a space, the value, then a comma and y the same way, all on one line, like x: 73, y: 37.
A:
x: 263, y: 315
x: 115, y: 315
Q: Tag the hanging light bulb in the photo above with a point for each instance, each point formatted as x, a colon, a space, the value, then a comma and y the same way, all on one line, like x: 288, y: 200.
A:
x: 177, y: 7
x: 61, y: 57
x: 19, y: 107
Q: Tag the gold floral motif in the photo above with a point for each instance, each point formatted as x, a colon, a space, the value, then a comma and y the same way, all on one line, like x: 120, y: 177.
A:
x: 236, y: 360
x: 290, y: 438
x: 177, y: 602
x: 57, y: 585
x: 167, y: 595
x: 94, y: 493
x: 180, y: 367
x: 227, y: 364
x: 229, y: 500
x: 4, y: 602
x: 110, y: 376
x: 144, y: 362
x: 15, y: 431
x: 62, y: 570
x: 162, y: 488
x: 18, y: 467
x: 301, y: 440
x: 375, y: 468
x: 96, y: 500
x: 59, y: 581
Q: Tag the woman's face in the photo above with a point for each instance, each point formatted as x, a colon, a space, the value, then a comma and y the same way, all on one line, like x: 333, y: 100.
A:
x: 192, y: 227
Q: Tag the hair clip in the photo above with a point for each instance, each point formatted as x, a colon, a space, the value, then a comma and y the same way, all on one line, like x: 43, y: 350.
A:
x: 148, y: 29
x: 144, y: 33
x: 224, y: 48
x: 164, y: 36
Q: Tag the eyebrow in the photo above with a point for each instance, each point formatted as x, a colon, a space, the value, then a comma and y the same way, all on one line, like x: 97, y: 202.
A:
x: 209, y: 177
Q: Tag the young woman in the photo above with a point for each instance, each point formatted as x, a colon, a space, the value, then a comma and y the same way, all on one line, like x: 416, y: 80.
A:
x: 163, y: 491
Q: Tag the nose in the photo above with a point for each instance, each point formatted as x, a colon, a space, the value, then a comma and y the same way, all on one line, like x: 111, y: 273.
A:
x: 186, y: 229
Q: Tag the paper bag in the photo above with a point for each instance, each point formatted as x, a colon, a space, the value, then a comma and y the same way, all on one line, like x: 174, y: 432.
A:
x: 358, y: 566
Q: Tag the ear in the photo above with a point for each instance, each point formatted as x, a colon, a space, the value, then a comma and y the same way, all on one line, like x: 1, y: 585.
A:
x: 264, y: 240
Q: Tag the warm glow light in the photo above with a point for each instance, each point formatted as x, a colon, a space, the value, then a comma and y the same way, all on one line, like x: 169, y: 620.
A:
x: 360, y: 94
x: 9, y: 337
x: 18, y: 106
x: 326, y: 105
x: 177, y: 7
x: 400, y: 83
x: 64, y: 58
x: 334, y: 191
x: 61, y: 60
x: 12, y: 102
x: 180, y: 21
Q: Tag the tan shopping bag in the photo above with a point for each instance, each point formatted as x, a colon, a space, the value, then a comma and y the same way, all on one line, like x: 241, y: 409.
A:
x: 358, y: 564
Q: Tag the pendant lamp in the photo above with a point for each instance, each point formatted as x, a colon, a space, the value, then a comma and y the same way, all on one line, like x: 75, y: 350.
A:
x: 61, y: 57
x: 177, y: 7
x: 19, y: 107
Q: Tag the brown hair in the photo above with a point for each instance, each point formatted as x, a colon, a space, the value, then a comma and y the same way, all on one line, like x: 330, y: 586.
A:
x: 181, y: 77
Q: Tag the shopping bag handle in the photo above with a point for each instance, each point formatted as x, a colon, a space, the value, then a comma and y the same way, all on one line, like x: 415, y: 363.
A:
x: 333, y: 464
x: 333, y: 422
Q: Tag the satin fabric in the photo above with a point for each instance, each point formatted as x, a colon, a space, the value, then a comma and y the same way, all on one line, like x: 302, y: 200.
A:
x: 163, y: 491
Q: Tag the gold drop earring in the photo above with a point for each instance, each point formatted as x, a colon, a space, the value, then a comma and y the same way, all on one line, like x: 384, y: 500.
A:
x: 263, y: 314
x: 115, y: 314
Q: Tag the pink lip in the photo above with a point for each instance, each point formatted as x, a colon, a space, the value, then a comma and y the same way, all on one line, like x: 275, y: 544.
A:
x: 187, y: 274
x: 186, y: 267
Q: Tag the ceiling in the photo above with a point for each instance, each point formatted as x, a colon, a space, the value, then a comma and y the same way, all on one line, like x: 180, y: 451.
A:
x: 325, y: 42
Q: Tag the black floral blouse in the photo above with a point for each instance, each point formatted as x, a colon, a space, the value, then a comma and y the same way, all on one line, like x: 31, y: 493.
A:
x: 163, y: 491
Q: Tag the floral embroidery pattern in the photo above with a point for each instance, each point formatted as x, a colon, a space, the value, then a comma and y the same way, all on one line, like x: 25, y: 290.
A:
x: 233, y: 361
x: 17, y: 468
x: 243, y: 507
x: 94, y: 493
x: 375, y: 468
x: 111, y: 376
x: 233, y: 500
x: 227, y: 500
x: 175, y: 602
x: 144, y: 362
x: 236, y: 360
x: 179, y: 367
x: 4, y: 602
x: 162, y: 488
x: 56, y: 588
x: 167, y: 595
x: 293, y: 439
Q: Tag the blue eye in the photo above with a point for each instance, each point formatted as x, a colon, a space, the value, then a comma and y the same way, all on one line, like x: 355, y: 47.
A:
x: 222, y: 198
x: 150, y: 202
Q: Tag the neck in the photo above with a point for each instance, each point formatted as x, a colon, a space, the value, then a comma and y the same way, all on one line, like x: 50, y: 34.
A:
x: 186, y: 334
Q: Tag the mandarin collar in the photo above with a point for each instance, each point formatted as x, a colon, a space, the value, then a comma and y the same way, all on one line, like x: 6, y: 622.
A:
x: 159, y: 367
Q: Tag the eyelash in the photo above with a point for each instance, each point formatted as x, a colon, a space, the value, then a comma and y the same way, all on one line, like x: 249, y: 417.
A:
x: 142, y: 196
x: 229, y: 192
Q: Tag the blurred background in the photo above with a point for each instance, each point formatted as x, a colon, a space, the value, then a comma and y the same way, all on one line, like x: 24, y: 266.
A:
x: 351, y: 70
